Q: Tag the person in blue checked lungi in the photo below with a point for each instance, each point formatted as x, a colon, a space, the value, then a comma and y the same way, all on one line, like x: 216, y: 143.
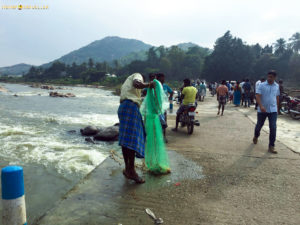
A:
x: 132, y: 132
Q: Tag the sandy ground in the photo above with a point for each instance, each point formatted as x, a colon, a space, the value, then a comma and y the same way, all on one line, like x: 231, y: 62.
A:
x: 218, y: 177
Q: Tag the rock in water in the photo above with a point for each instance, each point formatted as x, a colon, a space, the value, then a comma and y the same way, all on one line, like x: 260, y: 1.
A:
x: 89, y: 131
x: 107, y: 134
x: 88, y: 139
x: 56, y: 94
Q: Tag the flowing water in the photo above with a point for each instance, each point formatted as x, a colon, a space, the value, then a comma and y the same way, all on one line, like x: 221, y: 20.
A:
x: 34, y: 133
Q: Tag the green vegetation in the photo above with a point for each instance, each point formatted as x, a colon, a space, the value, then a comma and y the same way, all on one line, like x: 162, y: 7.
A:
x: 107, y: 49
x: 231, y: 59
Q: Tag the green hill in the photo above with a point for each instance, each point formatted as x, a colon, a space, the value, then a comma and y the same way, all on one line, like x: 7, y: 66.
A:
x: 107, y: 49
x: 17, y: 69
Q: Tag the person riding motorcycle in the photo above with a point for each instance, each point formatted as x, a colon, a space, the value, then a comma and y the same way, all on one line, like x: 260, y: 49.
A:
x: 189, y: 97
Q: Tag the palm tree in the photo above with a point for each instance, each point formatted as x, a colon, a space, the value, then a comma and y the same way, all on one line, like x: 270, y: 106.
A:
x: 295, y: 42
x: 280, y: 46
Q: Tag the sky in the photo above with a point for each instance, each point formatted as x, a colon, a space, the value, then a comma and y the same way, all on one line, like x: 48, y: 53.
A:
x: 39, y: 36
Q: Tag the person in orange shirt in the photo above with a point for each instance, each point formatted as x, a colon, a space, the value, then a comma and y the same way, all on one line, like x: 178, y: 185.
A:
x: 222, y: 92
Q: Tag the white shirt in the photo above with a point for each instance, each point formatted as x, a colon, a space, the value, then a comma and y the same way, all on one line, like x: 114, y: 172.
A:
x: 257, y: 84
x: 241, y: 85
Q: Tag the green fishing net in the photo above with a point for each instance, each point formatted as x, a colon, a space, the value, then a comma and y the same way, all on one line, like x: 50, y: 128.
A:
x: 155, y: 104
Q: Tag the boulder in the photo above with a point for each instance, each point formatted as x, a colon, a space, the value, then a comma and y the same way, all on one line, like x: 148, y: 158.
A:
x: 89, y: 131
x: 88, y: 139
x: 47, y: 87
x: 56, y: 94
x: 107, y: 134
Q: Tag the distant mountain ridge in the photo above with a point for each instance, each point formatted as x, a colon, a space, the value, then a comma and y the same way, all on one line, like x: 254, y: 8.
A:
x: 17, y: 69
x: 107, y: 49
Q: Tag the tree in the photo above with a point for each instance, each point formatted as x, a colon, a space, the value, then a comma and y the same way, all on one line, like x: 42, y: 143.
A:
x: 152, y: 57
x: 280, y: 46
x: 295, y: 42
x: 230, y: 60
x: 268, y: 49
x: 91, y: 63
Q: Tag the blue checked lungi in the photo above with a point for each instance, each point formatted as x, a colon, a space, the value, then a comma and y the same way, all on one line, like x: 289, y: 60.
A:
x: 132, y: 133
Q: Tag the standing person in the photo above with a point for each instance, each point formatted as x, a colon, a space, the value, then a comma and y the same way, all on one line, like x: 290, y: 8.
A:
x: 154, y: 105
x: 202, y: 91
x: 189, y: 97
x: 222, y: 92
x: 247, y: 92
x: 267, y: 96
x: 231, y: 95
x: 237, y: 94
x: 228, y: 84
x: 256, y: 87
x: 151, y: 76
x: 168, y: 91
x: 213, y: 89
x: 132, y: 132
x: 243, y: 92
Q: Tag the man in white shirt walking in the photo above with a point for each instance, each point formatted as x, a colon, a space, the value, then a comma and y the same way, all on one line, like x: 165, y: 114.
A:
x: 267, y: 96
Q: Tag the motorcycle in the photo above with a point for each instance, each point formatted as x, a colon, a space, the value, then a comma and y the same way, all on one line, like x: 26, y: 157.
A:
x: 187, y: 118
x: 291, y: 105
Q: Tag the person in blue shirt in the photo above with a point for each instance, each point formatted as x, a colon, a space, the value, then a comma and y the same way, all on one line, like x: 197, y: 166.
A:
x: 247, y: 92
x: 168, y: 91
x: 267, y: 97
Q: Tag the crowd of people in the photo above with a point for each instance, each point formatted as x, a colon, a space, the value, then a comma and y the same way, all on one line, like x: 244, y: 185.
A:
x: 136, y: 141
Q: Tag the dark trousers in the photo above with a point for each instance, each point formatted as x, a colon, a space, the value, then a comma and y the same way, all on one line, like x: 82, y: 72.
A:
x: 247, y: 99
x: 261, y: 118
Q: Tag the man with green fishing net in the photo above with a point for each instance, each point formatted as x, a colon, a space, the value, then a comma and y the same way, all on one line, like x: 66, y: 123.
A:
x: 132, y: 133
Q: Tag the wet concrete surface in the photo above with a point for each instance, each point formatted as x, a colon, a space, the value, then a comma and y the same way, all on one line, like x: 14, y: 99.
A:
x: 106, y: 197
x: 221, y: 177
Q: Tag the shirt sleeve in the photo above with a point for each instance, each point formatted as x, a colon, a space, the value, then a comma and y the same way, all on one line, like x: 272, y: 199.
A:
x: 278, y: 91
x: 259, y: 89
x: 183, y: 91
x: 169, y: 90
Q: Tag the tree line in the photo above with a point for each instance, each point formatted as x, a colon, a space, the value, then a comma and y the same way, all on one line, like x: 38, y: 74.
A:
x: 230, y: 59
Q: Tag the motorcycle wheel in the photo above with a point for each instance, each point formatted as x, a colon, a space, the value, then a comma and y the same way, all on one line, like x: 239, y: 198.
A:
x: 190, y: 127
x: 295, y: 116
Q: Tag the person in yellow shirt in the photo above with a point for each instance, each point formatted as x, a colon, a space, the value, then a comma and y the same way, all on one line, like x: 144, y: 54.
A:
x: 189, y: 97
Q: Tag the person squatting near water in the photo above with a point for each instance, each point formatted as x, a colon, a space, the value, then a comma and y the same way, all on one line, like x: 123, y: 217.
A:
x: 132, y: 133
x: 267, y: 96
x: 222, y: 92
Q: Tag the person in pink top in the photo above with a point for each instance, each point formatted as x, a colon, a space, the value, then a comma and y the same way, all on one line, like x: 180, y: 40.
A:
x: 222, y: 92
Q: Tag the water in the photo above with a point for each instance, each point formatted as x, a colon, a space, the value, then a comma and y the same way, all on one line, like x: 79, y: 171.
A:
x: 34, y: 134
